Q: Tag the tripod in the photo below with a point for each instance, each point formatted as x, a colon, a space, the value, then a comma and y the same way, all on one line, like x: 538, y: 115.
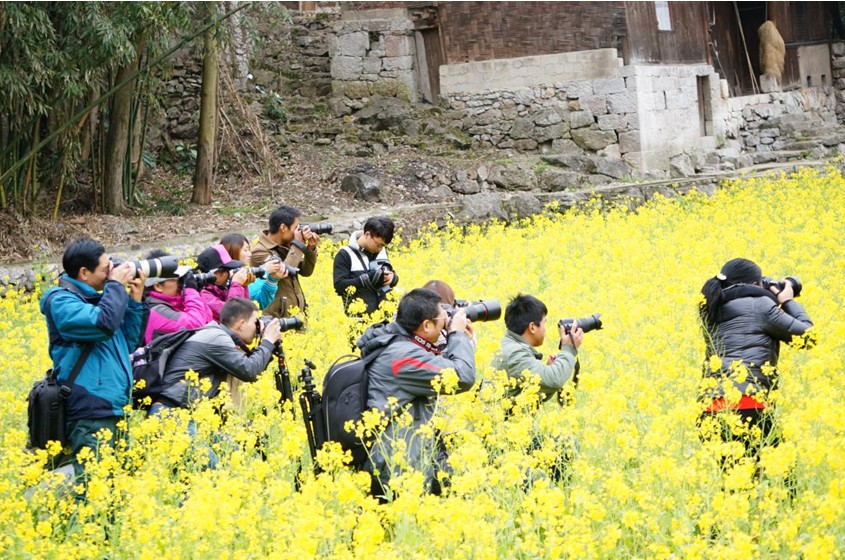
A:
x: 312, y: 407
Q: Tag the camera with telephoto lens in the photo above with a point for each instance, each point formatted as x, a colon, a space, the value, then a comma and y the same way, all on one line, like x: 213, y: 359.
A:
x: 319, y: 229
x: 285, y: 323
x: 768, y: 282
x: 478, y: 311
x: 587, y: 324
x: 292, y: 270
x: 161, y: 267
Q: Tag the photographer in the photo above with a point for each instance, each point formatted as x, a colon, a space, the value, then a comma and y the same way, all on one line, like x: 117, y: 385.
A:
x: 525, y: 319
x: 363, y: 265
x: 230, y: 277
x: 217, y: 351
x: 283, y: 236
x: 402, y: 374
x: 91, y: 306
x: 175, y: 303
x: 261, y: 290
x: 743, y: 325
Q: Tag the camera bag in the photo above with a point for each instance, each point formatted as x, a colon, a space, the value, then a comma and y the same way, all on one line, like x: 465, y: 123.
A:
x: 46, y: 405
x: 149, y: 363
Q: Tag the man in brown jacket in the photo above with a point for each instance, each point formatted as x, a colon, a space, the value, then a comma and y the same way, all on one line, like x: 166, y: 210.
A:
x: 284, y: 234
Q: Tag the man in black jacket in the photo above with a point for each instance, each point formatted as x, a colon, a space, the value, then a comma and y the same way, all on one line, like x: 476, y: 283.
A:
x: 216, y: 351
x: 362, y: 270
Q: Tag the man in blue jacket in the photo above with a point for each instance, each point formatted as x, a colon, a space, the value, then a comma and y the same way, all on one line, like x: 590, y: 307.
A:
x: 91, y: 306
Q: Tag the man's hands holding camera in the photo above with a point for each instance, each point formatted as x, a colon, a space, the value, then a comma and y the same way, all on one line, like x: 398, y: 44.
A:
x: 572, y: 338
x: 271, y: 331
x: 459, y: 322
x: 125, y: 273
x: 307, y: 236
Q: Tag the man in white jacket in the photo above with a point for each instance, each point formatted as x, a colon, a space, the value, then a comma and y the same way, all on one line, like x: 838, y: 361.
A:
x: 362, y: 269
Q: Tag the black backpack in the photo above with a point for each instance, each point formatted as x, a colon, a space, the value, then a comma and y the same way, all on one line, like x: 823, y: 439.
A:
x: 344, y: 399
x: 149, y: 363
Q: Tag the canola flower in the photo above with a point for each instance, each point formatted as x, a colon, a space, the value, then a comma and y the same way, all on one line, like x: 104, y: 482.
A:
x: 641, y: 485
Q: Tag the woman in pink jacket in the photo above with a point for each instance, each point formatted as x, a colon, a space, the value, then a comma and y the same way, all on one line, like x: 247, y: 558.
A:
x: 230, y: 278
x: 175, y: 303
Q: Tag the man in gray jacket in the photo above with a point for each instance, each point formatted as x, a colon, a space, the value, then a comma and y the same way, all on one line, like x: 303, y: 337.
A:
x: 525, y: 319
x: 216, y: 351
x: 401, y: 378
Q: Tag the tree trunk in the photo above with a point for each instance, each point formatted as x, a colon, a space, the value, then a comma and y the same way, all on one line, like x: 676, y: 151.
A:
x: 204, y: 171
x: 118, y: 140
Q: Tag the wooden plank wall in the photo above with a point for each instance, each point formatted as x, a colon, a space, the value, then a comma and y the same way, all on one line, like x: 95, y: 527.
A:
x: 686, y: 43
x: 474, y: 31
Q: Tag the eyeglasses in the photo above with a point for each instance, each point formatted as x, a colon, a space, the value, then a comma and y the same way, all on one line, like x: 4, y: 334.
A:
x: 445, y: 319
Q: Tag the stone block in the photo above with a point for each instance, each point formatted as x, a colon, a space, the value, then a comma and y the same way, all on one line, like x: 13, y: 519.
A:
x: 681, y: 99
x: 681, y: 166
x: 523, y: 127
x: 547, y: 133
x: 580, y: 119
x: 622, y: 102
x: 612, y: 167
x: 397, y: 45
x: 398, y: 63
x: 482, y: 206
x: 593, y: 140
x: 629, y: 142
x: 522, y: 206
x: 613, y: 121
x: 595, y: 103
x: 467, y: 186
x: 577, y: 90
x: 564, y: 146
x: 556, y: 180
x: 513, y: 177
x: 547, y: 117
x: 837, y: 49
x: 346, y: 67
x: 371, y: 65
x: 353, y: 44
x: 609, y: 85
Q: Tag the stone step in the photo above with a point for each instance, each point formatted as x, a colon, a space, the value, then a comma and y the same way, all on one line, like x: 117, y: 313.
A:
x: 777, y: 156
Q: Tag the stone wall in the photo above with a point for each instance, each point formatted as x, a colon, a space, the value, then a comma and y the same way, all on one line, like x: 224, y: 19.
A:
x: 837, y: 63
x: 656, y: 118
x: 778, y: 120
x: 476, y: 77
x: 373, y: 54
x: 637, y: 113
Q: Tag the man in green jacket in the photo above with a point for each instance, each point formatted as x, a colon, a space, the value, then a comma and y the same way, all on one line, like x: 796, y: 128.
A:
x: 525, y: 319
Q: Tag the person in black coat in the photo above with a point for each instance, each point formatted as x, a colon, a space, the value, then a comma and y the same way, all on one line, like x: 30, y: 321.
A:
x: 744, y: 323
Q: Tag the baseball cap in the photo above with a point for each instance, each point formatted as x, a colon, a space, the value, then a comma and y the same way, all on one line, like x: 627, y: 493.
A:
x: 216, y: 257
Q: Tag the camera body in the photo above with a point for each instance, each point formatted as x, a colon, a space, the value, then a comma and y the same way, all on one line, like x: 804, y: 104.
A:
x: 161, y: 267
x: 768, y: 282
x: 587, y: 324
x: 479, y: 311
x: 380, y: 266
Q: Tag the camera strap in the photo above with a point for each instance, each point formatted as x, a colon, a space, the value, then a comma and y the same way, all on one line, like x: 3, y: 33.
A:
x: 87, y: 347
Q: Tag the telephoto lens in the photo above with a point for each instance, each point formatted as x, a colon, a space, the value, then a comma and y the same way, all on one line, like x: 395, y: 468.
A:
x: 161, y: 267
x: 796, y: 284
x: 484, y: 310
x: 204, y: 278
x: 256, y: 271
x: 285, y: 323
x: 587, y: 324
x: 319, y: 229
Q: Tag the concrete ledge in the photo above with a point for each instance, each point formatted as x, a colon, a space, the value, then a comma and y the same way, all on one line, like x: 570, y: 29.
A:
x: 528, y: 71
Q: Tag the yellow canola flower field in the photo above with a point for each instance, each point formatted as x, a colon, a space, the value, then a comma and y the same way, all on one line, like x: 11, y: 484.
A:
x: 641, y: 484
